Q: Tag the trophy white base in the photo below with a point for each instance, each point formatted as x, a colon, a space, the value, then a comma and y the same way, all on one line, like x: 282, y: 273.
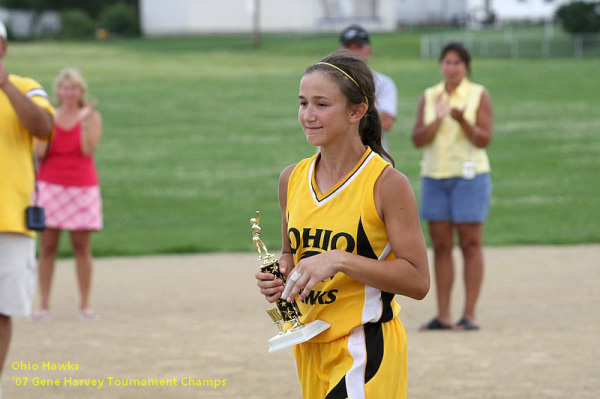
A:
x: 295, y: 337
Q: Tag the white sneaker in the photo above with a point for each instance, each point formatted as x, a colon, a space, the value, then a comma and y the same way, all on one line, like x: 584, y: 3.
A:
x: 41, y: 316
x: 87, y: 314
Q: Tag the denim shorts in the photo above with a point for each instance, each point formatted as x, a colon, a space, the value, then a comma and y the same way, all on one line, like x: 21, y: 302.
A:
x: 456, y: 199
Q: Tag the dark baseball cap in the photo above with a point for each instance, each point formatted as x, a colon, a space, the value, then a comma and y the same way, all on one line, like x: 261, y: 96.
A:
x: 354, y: 34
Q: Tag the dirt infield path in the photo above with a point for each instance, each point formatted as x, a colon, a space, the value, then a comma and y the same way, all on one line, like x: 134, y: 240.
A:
x: 197, y: 325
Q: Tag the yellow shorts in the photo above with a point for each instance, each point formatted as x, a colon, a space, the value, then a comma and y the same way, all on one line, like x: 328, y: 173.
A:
x: 369, y: 363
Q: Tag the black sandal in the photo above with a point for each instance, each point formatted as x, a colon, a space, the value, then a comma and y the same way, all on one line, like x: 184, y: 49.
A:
x: 466, y: 325
x: 435, y: 324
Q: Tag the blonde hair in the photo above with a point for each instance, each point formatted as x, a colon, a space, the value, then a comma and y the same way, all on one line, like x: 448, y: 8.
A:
x: 74, y: 75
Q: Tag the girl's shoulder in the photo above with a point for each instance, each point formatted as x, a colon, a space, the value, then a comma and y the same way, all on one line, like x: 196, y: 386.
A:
x: 392, y: 190
x: 392, y: 177
x: 287, y: 172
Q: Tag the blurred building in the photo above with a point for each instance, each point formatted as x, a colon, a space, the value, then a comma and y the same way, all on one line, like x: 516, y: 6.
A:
x: 21, y: 23
x: 432, y: 12
x: 472, y: 12
x: 176, y: 17
x: 160, y: 17
x: 533, y: 10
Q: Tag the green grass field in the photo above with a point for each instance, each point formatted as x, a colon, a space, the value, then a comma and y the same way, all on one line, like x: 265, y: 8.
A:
x: 197, y: 130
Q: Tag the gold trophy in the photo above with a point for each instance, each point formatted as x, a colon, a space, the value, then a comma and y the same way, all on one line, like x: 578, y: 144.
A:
x: 285, y: 312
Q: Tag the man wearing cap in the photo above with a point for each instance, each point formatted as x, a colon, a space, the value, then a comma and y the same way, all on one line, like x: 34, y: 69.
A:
x: 356, y: 39
x: 25, y: 113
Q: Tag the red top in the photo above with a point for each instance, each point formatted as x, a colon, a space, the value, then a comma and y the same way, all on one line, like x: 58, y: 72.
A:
x: 65, y: 164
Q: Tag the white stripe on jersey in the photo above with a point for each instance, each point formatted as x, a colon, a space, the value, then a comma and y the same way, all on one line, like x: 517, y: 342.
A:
x: 372, y: 307
x: 355, y: 377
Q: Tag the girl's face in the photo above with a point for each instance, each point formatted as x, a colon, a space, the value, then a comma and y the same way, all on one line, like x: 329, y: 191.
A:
x: 453, y: 68
x: 324, y: 113
x: 69, y: 92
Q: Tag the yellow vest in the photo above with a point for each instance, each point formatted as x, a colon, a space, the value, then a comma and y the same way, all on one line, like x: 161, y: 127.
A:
x: 16, y: 158
x: 342, y: 218
x: 450, y: 148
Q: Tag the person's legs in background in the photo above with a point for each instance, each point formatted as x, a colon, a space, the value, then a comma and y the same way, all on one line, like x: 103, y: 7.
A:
x: 48, y: 250
x: 436, y: 209
x: 442, y: 238
x: 470, y: 205
x: 5, y: 333
x: 82, y: 248
x: 471, y: 237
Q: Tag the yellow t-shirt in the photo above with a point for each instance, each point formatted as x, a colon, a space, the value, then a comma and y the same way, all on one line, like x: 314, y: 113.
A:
x: 16, y: 158
x: 444, y: 156
x: 343, y: 218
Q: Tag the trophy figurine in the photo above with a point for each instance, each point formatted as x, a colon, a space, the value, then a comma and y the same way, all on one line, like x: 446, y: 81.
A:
x: 286, y: 313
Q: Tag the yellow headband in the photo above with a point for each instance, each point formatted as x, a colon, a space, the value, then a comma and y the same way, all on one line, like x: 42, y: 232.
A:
x: 348, y: 76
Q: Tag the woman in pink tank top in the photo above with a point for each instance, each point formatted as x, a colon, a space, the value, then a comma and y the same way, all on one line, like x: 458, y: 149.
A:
x: 69, y: 188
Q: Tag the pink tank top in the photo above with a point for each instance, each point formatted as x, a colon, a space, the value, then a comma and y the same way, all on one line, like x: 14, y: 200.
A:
x: 65, y: 164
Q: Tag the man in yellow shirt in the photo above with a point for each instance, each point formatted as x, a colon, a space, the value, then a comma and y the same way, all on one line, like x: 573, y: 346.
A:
x: 25, y: 113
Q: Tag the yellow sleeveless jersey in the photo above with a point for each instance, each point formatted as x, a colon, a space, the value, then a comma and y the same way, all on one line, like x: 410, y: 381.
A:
x: 342, y: 218
x: 17, y: 178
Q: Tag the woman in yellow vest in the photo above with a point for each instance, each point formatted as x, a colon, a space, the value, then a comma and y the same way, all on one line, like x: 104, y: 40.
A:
x: 454, y: 126
x: 352, y: 240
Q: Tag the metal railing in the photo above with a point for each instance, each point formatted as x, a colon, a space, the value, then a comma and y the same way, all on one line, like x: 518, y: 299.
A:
x: 514, y: 46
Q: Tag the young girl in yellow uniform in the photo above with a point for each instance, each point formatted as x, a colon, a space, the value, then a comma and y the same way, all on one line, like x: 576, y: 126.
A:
x: 351, y: 240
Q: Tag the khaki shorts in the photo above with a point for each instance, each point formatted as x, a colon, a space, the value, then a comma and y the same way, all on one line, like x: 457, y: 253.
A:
x: 18, y: 273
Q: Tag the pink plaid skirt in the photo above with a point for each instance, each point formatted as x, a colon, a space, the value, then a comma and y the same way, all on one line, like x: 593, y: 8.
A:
x: 70, y: 207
